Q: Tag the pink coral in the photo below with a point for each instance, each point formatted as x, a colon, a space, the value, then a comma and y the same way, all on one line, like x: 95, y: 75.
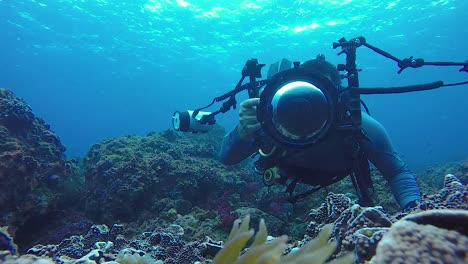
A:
x: 227, y: 215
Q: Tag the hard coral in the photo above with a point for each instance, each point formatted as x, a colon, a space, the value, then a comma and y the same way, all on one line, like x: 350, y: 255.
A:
x: 328, y: 212
x: 454, y: 195
x: 354, y: 219
x: 128, y: 256
x: 7, y: 258
x: 366, y: 241
x: 436, y: 236
x: 315, y: 251
x: 331, y: 209
x: 102, y: 243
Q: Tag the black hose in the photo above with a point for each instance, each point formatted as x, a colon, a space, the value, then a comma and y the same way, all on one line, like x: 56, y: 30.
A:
x: 365, y: 107
x: 455, y: 84
x: 403, y: 89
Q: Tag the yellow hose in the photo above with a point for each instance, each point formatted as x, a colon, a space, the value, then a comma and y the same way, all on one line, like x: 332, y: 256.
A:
x: 267, y: 154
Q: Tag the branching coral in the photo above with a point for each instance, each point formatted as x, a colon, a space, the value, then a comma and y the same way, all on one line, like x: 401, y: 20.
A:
x: 317, y: 250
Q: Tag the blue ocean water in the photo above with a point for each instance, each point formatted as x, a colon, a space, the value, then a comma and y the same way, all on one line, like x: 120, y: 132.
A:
x: 97, y: 69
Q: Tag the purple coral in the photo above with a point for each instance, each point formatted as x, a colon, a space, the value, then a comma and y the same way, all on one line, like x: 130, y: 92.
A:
x: 331, y: 209
x: 328, y: 212
x: 227, y: 215
x: 354, y: 219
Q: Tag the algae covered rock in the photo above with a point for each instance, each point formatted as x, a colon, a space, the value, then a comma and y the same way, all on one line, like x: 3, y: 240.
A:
x: 130, y: 174
x: 32, y: 160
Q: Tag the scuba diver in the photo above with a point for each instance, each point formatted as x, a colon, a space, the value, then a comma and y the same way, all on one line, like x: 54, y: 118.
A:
x: 303, y: 126
x: 297, y: 114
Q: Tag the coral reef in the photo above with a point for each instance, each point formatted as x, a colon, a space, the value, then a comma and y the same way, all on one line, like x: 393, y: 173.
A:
x: 454, y: 195
x: 432, y: 179
x: 32, y: 161
x: 165, y: 244
x: 129, y: 175
x: 360, y: 229
x: 368, y: 232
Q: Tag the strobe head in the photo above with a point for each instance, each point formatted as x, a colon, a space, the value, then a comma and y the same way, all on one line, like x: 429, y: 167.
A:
x: 185, y: 121
x: 297, y: 107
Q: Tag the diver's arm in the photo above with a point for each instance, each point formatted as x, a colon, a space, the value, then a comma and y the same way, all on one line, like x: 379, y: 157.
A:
x: 382, y: 154
x: 239, y: 143
x: 235, y: 148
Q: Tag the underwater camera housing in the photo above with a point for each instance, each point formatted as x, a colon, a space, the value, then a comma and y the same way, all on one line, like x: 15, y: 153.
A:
x: 310, y: 98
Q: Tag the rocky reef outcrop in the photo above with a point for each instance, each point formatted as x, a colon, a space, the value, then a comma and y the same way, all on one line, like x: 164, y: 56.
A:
x: 32, y: 161
x: 162, y: 173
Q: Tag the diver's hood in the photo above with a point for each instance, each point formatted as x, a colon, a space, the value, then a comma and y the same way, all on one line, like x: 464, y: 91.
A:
x: 297, y: 106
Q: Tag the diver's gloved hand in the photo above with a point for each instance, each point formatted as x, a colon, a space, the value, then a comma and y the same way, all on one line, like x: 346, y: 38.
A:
x: 248, y: 123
